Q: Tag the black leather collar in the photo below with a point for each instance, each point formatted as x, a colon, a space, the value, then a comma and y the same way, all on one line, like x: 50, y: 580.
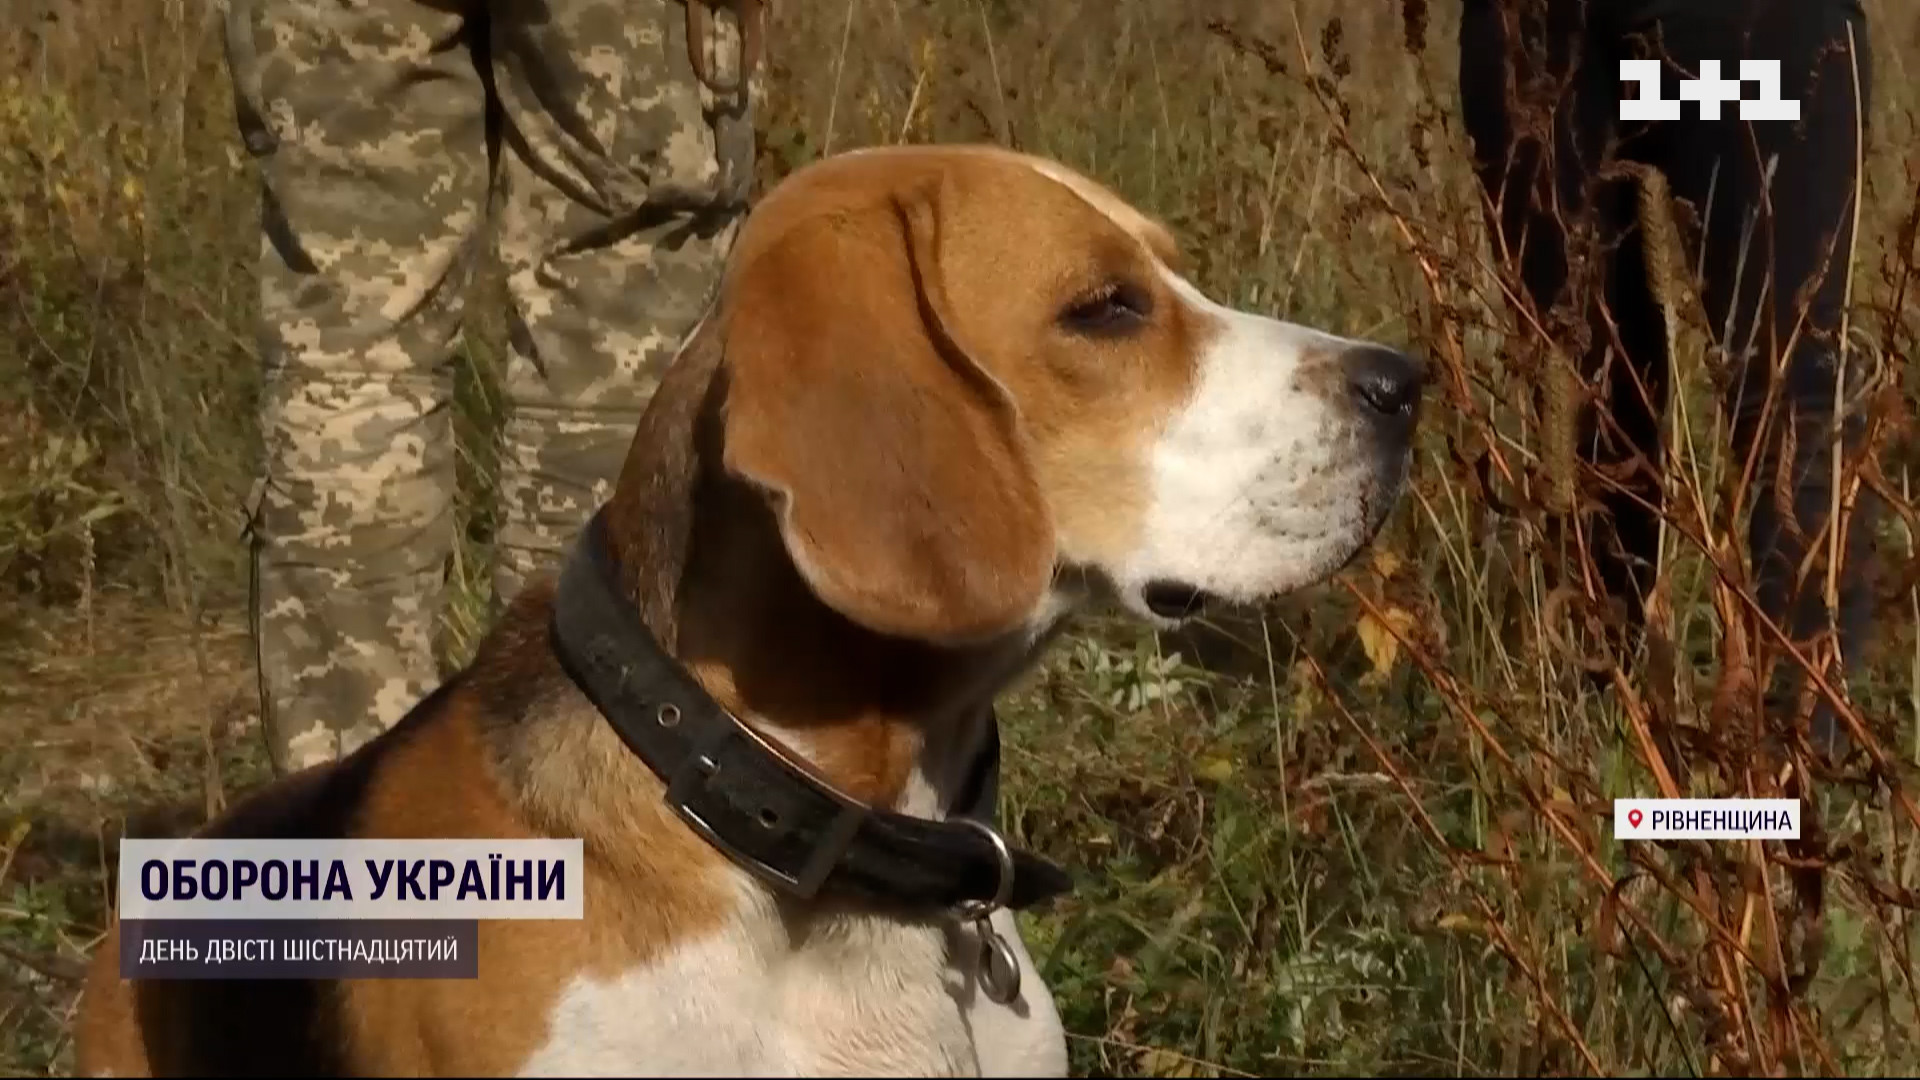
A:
x: 754, y: 805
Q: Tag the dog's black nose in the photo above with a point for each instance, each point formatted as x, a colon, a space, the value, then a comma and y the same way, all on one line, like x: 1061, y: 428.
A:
x: 1385, y: 382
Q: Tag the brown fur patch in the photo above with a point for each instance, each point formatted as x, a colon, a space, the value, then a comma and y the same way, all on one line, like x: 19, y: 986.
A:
x: 897, y: 470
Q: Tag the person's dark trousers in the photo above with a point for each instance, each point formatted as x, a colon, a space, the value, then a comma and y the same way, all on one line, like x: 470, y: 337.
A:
x: 1771, y: 234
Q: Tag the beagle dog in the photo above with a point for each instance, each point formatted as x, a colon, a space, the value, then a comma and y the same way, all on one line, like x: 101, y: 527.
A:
x: 944, y: 397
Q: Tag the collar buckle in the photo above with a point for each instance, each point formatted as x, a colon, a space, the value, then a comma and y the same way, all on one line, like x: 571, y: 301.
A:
x: 735, y: 742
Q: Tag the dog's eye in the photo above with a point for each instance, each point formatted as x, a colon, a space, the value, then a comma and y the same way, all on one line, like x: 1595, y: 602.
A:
x: 1112, y: 309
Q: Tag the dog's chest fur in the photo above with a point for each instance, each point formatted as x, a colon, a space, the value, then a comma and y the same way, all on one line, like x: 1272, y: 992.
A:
x: 773, y: 996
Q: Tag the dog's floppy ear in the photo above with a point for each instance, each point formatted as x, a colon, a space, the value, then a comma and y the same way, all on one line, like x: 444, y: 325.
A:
x: 894, y: 463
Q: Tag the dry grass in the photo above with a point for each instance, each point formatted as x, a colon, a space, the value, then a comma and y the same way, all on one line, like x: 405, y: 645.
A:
x: 1369, y: 837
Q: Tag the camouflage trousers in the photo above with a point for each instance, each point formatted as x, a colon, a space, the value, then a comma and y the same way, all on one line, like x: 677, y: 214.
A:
x: 394, y: 139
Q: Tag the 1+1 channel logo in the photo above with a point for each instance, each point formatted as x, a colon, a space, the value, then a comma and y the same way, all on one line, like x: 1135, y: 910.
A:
x: 1709, y: 90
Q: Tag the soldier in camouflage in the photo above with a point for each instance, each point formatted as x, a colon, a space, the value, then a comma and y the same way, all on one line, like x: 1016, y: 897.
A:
x: 609, y: 144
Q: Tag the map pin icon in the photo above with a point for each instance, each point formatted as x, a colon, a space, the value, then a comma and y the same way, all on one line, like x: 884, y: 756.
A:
x: 1633, y: 818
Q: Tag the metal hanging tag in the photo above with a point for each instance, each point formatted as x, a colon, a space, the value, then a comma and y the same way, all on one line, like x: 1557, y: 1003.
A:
x: 995, y: 964
x: 999, y: 968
